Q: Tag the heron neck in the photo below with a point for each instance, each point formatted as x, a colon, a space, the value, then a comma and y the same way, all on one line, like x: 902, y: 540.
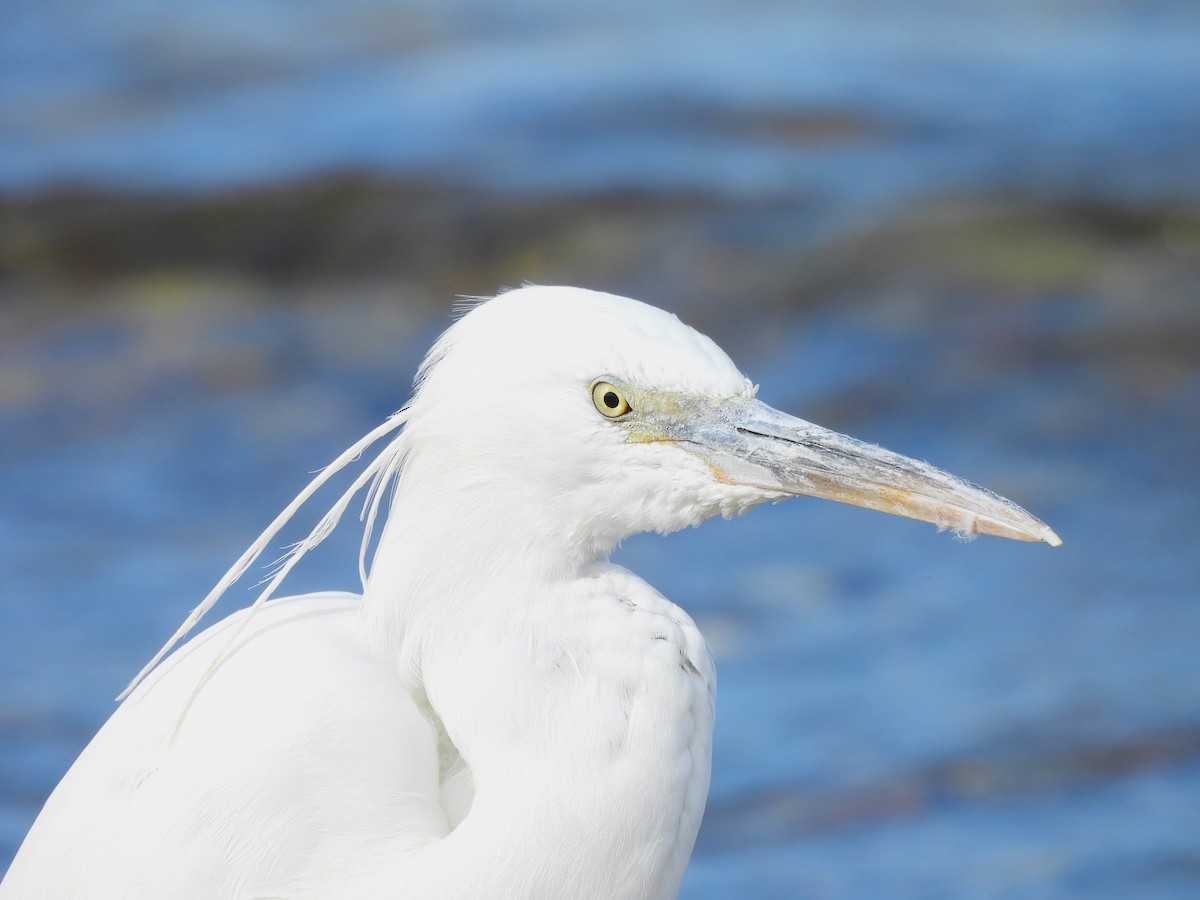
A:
x: 551, y: 676
x: 459, y: 547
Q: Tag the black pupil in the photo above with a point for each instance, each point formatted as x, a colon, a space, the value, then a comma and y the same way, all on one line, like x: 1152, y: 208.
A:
x: 611, y: 400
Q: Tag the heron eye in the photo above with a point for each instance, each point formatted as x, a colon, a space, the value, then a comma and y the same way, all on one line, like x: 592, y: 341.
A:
x: 609, y: 400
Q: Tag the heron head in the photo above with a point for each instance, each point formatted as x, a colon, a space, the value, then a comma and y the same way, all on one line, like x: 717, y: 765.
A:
x: 619, y: 418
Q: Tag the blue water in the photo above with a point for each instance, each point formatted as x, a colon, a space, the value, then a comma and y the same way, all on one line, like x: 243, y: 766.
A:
x: 900, y: 714
x: 933, y: 95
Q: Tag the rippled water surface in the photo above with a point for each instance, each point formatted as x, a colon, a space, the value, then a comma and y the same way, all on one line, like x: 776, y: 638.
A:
x: 891, y: 99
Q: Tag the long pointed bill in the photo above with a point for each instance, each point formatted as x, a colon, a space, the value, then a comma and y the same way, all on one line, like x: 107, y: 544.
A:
x: 747, y: 442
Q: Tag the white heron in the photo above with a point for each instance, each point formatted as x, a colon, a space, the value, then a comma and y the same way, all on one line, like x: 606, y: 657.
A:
x: 502, y: 713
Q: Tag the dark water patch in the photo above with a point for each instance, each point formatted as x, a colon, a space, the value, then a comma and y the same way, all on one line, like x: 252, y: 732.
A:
x: 351, y: 228
x: 1004, y: 250
x: 1020, y: 773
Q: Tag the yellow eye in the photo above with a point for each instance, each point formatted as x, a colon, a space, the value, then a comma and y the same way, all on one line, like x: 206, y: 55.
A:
x: 609, y: 400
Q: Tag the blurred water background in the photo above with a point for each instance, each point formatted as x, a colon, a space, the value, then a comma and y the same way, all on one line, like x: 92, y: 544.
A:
x: 968, y: 231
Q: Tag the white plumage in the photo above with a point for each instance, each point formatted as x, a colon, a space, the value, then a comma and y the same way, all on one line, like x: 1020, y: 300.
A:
x: 503, y: 713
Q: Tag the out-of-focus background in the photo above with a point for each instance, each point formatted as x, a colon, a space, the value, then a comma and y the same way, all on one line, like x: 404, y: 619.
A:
x: 968, y: 231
